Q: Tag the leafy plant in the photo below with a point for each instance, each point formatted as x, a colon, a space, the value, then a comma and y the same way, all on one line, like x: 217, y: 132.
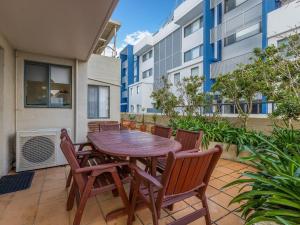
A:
x: 132, y: 117
x: 275, y: 193
x: 154, y: 118
x: 165, y: 100
x: 216, y: 130
x: 191, y: 96
x: 240, y: 87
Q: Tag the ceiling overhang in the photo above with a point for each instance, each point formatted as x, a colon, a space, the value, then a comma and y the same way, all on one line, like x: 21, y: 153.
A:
x: 60, y: 28
x: 192, y: 14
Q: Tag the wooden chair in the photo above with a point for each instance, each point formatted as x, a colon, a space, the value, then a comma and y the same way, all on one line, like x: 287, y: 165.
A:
x: 162, y: 131
x: 94, y: 126
x: 77, y: 149
x: 93, y: 180
x: 188, y: 140
x: 187, y: 174
x: 109, y: 127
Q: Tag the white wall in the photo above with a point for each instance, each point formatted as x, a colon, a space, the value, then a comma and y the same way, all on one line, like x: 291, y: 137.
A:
x: 99, y: 70
x: 185, y: 71
x: 42, y: 118
x: 143, y: 66
x: 193, y: 40
x: 7, y: 105
x: 283, y: 22
x: 142, y: 98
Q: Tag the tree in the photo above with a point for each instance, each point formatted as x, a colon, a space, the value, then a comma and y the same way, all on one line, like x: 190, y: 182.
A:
x: 191, y: 95
x: 280, y: 69
x: 165, y: 100
x: 241, y: 88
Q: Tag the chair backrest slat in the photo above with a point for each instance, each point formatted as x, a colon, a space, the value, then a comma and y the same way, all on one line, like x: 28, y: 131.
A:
x: 94, y: 126
x: 187, y: 172
x: 110, y: 127
x: 162, y: 131
x: 189, y: 139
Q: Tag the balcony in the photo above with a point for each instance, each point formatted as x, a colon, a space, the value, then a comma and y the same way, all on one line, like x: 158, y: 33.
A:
x: 235, y: 23
x: 45, y: 202
x: 226, y: 66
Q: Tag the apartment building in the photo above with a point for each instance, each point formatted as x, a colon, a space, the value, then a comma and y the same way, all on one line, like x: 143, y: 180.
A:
x: 211, y: 37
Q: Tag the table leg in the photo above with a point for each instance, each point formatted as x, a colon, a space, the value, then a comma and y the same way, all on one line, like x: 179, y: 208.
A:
x: 153, y: 166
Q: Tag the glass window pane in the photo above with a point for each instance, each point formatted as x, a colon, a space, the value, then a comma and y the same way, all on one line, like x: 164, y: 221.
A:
x: 103, y: 102
x: 61, y: 88
x: 195, y: 71
x: 36, y: 84
x: 92, y: 102
x: 176, y: 78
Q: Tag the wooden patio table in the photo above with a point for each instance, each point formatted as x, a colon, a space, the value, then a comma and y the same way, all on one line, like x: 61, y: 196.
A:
x: 132, y: 144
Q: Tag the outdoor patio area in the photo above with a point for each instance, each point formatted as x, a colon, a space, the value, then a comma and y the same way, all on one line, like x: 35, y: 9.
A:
x: 45, y: 202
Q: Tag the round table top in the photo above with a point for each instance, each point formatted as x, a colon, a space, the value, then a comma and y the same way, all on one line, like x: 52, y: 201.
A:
x: 132, y: 143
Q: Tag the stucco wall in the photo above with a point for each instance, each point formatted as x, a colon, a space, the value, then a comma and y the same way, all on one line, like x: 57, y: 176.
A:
x: 42, y: 118
x: 99, y: 70
x: 7, y: 105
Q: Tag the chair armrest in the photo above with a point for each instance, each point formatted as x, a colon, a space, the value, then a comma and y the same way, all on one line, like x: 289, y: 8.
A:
x: 146, y: 176
x: 99, y: 168
x: 191, y: 151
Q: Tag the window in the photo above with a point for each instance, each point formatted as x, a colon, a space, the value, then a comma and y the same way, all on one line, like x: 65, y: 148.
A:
x: 176, y: 78
x: 147, y: 56
x: 132, y: 108
x: 243, y: 34
x: 131, y: 91
x: 147, y: 73
x: 195, y: 71
x: 98, y: 101
x: 193, y: 27
x: 193, y: 53
x: 138, y: 108
x: 48, y: 86
x: 231, y: 4
x: 137, y: 89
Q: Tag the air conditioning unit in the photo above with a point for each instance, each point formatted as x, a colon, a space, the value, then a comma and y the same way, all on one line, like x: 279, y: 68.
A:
x: 36, y: 149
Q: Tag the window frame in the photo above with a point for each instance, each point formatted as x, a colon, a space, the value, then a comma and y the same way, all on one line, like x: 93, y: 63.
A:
x: 236, y: 39
x: 226, y: 10
x: 48, y: 65
x: 195, y: 68
x: 179, y: 75
x: 146, y: 56
x: 200, y: 49
x: 98, y: 86
x: 147, y: 73
x: 200, y: 19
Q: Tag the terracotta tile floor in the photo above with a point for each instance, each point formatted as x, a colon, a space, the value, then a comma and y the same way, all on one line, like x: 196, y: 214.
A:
x: 44, y: 203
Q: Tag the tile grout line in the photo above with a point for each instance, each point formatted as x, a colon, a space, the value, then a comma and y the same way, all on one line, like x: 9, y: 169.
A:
x: 39, y: 199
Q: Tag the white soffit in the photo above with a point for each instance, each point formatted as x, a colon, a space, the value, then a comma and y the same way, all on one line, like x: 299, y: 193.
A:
x: 60, y: 28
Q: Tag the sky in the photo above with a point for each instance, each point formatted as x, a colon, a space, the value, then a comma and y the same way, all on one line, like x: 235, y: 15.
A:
x: 140, y: 17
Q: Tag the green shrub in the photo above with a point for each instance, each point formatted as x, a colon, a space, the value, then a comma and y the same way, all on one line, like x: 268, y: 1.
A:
x: 216, y: 130
x: 275, y: 194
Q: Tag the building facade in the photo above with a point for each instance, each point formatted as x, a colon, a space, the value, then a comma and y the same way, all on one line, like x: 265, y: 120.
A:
x: 208, y: 38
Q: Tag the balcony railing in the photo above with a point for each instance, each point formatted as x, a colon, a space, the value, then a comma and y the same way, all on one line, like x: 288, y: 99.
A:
x: 230, y: 108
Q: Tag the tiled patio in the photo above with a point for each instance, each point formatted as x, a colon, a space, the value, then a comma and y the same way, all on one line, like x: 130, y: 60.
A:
x: 44, y: 203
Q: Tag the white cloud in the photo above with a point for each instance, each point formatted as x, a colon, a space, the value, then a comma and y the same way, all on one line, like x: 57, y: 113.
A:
x: 135, y: 37
x: 131, y: 39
